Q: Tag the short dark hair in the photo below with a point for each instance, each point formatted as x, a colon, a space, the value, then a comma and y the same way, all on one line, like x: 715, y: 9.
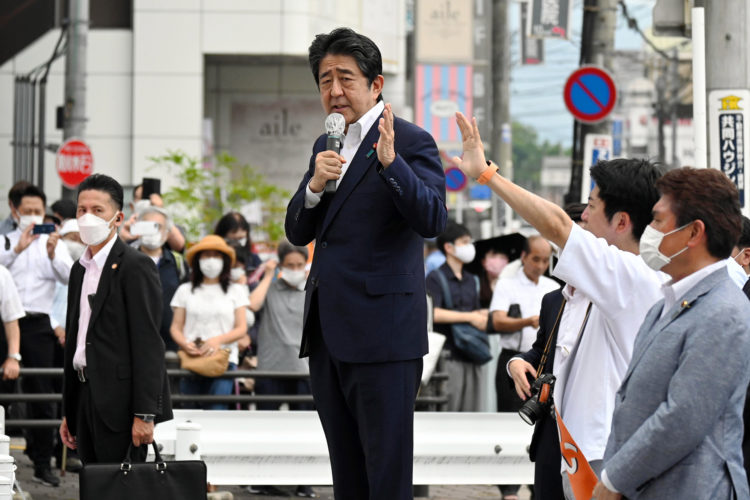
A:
x: 31, y: 191
x: 14, y: 194
x: 744, y: 241
x: 628, y: 185
x: 346, y: 42
x: 285, y: 248
x: 104, y: 183
x: 574, y: 211
x: 453, y: 231
x: 196, y: 275
x: 708, y: 195
x: 66, y: 208
x: 230, y: 222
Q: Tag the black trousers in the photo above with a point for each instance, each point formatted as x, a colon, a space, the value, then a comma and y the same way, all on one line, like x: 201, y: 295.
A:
x: 97, y: 443
x: 38, y: 351
x: 367, y: 413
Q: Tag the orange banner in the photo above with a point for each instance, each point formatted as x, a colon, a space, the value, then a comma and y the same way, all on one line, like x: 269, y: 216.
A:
x: 582, y: 477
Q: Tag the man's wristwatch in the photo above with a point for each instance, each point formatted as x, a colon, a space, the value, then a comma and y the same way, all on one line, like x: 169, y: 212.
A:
x: 146, y: 417
x: 15, y: 356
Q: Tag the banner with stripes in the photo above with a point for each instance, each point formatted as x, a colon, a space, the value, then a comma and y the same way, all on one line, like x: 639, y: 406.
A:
x: 441, y: 90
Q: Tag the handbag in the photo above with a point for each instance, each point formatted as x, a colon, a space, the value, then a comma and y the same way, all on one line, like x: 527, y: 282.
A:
x: 212, y: 365
x: 470, y: 341
x: 177, y: 480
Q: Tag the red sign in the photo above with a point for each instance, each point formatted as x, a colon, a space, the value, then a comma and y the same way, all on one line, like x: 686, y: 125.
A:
x: 74, y: 162
x: 590, y: 94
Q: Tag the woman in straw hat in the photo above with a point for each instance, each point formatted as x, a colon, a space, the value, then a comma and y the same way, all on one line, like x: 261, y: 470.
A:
x: 209, y: 314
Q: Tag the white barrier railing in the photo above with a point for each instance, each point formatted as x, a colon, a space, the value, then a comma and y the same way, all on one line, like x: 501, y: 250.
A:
x: 289, y: 447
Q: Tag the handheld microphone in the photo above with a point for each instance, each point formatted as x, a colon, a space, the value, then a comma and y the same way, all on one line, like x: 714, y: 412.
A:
x: 335, y: 124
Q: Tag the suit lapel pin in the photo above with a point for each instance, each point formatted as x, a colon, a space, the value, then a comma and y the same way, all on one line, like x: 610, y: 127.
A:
x: 374, y: 147
x: 685, y: 304
x: 114, y: 266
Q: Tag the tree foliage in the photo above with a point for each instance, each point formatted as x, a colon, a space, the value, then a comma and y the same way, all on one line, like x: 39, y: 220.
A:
x: 528, y: 153
x: 202, y: 195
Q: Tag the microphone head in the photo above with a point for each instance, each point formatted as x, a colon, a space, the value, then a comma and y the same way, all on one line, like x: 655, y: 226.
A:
x: 335, y: 124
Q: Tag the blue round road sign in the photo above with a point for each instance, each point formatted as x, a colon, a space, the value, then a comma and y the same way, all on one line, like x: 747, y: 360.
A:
x: 590, y: 94
x: 455, y: 179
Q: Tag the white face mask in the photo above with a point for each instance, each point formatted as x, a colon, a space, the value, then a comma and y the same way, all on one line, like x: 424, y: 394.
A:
x: 211, y: 267
x: 75, y: 249
x: 292, y: 277
x: 649, y: 247
x: 140, y: 205
x: 93, y: 229
x: 153, y: 241
x: 466, y: 253
x: 27, y: 220
x: 236, y: 273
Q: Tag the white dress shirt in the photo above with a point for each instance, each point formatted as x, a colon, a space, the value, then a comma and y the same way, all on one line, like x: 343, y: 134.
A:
x: 354, y: 137
x: 622, y: 289
x: 10, y: 303
x: 673, y: 292
x: 519, y: 289
x: 736, y: 272
x: 34, y: 273
x: 94, y: 267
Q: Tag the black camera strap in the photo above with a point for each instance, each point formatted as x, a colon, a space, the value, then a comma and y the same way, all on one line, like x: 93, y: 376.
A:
x: 552, y: 336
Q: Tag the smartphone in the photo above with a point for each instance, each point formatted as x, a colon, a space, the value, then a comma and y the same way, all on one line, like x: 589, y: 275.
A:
x: 144, y: 227
x: 43, y: 229
x: 150, y: 186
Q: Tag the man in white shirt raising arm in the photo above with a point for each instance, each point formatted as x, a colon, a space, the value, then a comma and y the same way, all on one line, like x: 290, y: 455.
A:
x: 601, y: 263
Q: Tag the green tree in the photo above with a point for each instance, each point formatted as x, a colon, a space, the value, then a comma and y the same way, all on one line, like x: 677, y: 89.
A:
x: 202, y: 195
x: 528, y: 154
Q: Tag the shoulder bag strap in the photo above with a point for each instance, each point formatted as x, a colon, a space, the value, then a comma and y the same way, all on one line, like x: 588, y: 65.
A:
x: 448, y: 302
x: 552, y: 336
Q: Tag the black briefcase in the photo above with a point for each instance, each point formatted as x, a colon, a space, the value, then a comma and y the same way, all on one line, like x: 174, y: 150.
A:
x: 180, y: 480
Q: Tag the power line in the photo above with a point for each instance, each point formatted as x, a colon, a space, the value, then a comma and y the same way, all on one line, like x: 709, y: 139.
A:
x: 633, y: 24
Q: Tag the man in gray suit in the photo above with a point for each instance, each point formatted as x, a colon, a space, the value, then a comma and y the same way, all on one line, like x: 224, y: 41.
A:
x: 677, y: 425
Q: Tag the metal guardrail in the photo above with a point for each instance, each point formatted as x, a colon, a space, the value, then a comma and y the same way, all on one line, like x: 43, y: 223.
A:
x: 438, y: 401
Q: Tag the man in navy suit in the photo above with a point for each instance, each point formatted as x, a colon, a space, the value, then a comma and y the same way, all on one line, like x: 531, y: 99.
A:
x: 365, y: 309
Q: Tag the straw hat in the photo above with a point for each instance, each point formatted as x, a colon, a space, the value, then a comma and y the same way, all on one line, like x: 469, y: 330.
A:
x: 210, y: 242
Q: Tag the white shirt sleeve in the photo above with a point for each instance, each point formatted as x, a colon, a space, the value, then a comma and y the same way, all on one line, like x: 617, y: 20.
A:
x: 239, y: 295
x: 608, y: 276
x: 10, y: 303
x: 180, y: 296
x: 607, y: 483
x: 62, y: 263
x: 312, y: 199
x: 500, y: 298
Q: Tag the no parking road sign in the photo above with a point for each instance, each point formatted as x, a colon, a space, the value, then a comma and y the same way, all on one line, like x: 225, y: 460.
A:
x: 590, y: 94
x: 455, y: 179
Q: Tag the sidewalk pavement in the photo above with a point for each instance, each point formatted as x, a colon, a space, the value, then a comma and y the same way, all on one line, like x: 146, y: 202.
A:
x: 68, y: 489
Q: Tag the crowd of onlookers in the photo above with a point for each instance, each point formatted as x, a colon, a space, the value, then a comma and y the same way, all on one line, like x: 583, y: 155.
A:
x: 216, y: 294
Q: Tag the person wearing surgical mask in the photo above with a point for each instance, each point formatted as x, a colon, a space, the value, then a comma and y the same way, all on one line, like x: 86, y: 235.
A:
x: 37, y: 262
x: 175, y: 239
x: 282, y: 302
x: 235, y: 229
x: 209, y: 314
x: 738, y: 264
x: 152, y: 229
x: 14, y: 199
x: 466, y: 378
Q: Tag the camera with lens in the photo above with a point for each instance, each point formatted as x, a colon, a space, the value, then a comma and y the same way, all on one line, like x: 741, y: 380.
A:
x: 540, y: 401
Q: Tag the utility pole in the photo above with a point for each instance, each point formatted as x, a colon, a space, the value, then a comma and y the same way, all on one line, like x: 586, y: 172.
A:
x: 74, y: 124
x: 500, y: 142
x: 727, y: 39
x: 597, y: 47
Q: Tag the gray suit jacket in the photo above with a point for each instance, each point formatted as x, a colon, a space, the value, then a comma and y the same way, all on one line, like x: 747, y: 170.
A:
x: 677, y: 425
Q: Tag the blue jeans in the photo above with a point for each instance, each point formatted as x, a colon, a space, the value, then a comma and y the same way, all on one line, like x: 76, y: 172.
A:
x: 196, y: 384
